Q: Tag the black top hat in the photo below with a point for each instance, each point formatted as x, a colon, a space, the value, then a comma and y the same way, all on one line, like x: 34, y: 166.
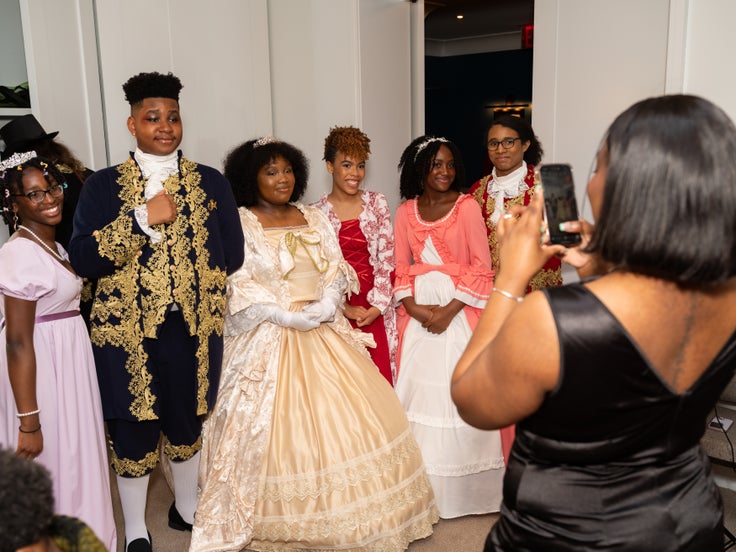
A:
x: 23, y: 131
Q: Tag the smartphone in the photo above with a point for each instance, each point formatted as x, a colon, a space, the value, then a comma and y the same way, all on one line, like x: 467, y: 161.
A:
x: 559, y: 202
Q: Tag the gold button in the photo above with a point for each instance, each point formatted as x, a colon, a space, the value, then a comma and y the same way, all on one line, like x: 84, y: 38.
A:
x: 173, y: 268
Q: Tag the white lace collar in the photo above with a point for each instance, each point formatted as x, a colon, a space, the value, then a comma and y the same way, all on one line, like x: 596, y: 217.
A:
x: 507, y: 186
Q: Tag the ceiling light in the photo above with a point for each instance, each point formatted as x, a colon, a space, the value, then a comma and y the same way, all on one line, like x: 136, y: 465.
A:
x: 459, y: 16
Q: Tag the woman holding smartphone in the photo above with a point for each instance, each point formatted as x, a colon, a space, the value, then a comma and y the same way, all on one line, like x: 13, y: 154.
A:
x: 611, y: 400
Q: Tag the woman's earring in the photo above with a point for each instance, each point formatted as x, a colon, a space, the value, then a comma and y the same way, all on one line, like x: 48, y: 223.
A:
x: 15, y: 221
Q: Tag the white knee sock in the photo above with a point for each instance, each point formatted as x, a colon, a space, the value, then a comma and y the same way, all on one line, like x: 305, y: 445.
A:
x: 133, y: 492
x: 185, y: 476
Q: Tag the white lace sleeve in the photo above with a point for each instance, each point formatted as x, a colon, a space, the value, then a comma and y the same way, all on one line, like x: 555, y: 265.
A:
x: 141, y: 217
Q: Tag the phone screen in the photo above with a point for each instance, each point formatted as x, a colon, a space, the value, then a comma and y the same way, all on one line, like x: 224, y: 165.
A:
x: 559, y: 201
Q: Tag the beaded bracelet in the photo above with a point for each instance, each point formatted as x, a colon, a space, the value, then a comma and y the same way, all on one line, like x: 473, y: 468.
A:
x: 31, y: 413
x: 31, y: 431
x: 508, y: 295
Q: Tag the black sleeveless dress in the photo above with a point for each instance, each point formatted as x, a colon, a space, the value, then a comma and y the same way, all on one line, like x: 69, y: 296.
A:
x: 611, y: 460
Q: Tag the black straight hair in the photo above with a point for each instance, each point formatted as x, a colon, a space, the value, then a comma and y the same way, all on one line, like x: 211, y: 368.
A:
x: 669, y: 203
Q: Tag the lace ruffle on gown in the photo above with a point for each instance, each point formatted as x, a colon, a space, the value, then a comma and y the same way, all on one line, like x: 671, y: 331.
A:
x: 308, y: 446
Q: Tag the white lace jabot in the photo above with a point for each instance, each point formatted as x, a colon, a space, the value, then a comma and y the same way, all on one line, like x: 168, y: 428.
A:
x: 508, y: 186
x: 156, y: 169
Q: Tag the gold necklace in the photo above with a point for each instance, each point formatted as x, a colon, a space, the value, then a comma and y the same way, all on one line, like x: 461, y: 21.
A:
x: 43, y: 244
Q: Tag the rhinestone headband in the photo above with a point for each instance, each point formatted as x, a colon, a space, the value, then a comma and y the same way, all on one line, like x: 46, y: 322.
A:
x: 17, y: 159
x: 265, y: 140
x: 428, y: 141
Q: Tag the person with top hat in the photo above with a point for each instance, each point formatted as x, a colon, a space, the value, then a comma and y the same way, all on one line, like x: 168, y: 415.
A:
x: 25, y: 133
x: 160, y: 233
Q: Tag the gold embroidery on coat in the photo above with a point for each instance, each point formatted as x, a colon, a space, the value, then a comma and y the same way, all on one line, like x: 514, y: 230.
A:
x: 545, y: 277
x: 132, y: 302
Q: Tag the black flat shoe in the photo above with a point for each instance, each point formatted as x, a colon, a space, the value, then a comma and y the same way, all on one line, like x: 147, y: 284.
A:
x: 140, y: 545
x: 176, y: 521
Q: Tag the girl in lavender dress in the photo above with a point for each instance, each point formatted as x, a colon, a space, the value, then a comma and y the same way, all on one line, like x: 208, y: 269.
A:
x: 50, y: 407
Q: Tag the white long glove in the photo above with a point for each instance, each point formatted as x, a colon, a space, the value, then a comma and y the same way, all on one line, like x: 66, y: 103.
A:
x: 301, y: 321
x: 324, y: 309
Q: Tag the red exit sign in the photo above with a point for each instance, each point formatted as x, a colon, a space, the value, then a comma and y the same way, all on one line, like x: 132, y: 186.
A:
x: 527, y: 36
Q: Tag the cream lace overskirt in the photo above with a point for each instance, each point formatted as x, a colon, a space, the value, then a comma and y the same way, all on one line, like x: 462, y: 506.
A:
x: 308, y: 446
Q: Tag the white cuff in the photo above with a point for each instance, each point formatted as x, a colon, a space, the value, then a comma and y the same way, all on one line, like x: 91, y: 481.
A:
x: 141, y: 217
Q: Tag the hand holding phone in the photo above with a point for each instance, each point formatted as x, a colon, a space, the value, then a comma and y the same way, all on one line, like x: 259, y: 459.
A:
x: 559, y: 202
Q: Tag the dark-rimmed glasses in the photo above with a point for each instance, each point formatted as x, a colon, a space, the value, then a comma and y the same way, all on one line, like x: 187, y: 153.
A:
x: 507, y: 143
x: 37, y: 196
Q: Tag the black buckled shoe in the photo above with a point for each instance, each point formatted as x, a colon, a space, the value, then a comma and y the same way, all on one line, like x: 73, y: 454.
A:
x: 176, y: 521
x: 140, y: 545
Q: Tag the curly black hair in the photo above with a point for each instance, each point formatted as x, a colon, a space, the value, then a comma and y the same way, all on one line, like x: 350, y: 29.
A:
x: 11, y: 182
x: 415, y: 165
x: 533, y: 154
x: 243, y: 163
x: 26, y: 501
x: 151, y: 85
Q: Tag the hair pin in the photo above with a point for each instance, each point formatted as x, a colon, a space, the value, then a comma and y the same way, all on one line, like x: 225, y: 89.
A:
x: 16, y: 160
x: 264, y: 140
x: 428, y: 141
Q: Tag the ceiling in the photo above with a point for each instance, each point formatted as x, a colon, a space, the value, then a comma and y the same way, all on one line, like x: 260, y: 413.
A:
x: 481, y: 17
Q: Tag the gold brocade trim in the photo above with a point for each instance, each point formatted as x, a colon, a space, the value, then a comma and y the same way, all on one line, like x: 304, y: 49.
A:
x: 341, y: 476
x: 134, y: 468
x: 368, y: 522
x: 488, y: 205
x: 132, y: 302
x: 87, y: 290
x: 546, y: 278
x: 62, y: 168
x: 182, y: 452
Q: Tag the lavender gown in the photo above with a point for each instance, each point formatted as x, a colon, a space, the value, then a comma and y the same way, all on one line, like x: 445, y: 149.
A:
x: 66, y: 386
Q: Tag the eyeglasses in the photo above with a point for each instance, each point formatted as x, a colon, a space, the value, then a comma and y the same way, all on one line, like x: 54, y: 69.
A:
x: 37, y: 196
x: 507, y: 143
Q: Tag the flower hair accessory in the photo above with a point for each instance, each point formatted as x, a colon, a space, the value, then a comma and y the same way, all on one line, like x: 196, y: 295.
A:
x: 428, y: 141
x: 16, y: 160
x: 264, y: 140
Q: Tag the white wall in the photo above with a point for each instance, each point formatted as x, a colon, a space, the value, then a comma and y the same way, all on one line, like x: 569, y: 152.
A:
x: 346, y: 62
x: 592, y: 59
x: 709, y: 64
x: 315, y: 68
x: 386, y: 89
x: 61, y: 54
x: 219, y: 50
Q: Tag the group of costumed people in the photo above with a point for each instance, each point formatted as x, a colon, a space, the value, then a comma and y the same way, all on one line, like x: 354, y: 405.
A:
x: 294, y: 363
x: 226, y: 299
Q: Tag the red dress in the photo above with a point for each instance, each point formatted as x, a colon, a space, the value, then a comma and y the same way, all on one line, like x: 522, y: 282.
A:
x: 369, y: 248
x: 355, y: 250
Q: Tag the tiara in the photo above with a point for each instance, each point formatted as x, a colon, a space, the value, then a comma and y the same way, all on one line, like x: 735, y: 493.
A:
x: 428, y: 141
x: 17, y: 159
x: 265, y: 140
